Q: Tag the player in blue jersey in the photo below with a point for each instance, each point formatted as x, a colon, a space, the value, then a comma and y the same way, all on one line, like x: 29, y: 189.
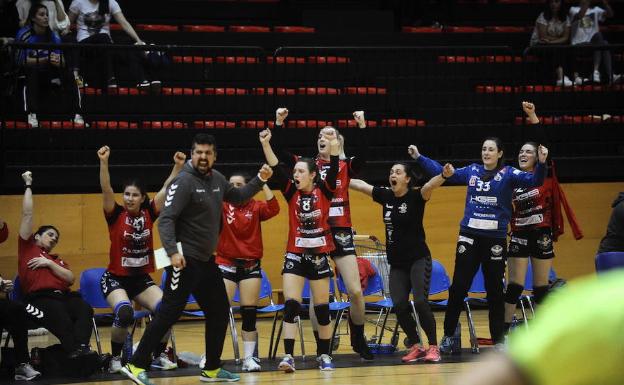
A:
x: 483, y: 230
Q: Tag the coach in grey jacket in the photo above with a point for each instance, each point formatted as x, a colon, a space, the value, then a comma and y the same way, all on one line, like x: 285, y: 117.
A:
x: 192, y: 216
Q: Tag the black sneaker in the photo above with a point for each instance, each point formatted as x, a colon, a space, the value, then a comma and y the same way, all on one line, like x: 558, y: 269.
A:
x: 360, y: 346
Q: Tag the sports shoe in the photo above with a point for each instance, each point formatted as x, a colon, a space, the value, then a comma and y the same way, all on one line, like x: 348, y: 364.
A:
x: 163, y: 362
x: 287, y: 364
x: 25, y: 372
x: 325, y: 362
x: 115, y: 364
x: 579, y: 81
x: 566, y: 82
x: 218, y: 375
x: 616, y: 78
x: 251, y: 364
x: 112, y: 83
x: 432, y: 354
x: 360, y: 346
x: 416, y: 353
x: 596, y: 77
x: 79, y: 120
x: 32, y: 120
x: 136, y: 374
x: 144, y: 85
x: 448, y: 346
x: 155, y: 86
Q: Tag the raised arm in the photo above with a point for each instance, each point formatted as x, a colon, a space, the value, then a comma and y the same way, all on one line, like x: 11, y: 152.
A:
x: 281, y: 176
x: 529, y: 110
x: 108, y: 195
x: 179, y: 158
x: 361, y: 186
x: 270, y: 208
x: 447, y: 171
x: 26, y: 225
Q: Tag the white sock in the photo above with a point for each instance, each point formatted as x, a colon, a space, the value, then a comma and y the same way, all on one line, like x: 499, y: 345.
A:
x: 249, y: 347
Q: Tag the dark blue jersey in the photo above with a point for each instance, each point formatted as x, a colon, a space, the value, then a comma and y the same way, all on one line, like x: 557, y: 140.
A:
x: 488, y: 202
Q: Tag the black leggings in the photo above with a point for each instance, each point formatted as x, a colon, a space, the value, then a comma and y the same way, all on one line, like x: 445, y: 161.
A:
x: 415, y: 279
x: 204, y: 281
x: 66, y: 315
x: 490, y: 253
x: 39, y: 80
x: 13, y: 318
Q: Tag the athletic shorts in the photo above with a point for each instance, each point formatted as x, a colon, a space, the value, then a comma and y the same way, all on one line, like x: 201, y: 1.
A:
x: 536, y: 243
x: 312, y: 267
x: 343, y: 241
x: 133, y: 284
x: 241, y: 269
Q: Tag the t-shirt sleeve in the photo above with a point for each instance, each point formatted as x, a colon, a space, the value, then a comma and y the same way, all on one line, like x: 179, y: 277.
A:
x: 153, y: 210
x: 380, y: 194
x: 75, y: 7
x: 541, y: 20
x: 114, y: 7
x: 601, y: 14
x: 113, y: 215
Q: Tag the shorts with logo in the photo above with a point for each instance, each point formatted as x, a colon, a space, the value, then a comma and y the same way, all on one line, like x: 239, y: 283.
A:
x: 536, y: 243
x: 132, y: 284
x: 312, y: 267
x: 241, y: 269
x: 343, y: 241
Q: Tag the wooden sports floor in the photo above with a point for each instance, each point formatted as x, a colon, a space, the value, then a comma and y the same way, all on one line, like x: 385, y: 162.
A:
x: 190, y: 337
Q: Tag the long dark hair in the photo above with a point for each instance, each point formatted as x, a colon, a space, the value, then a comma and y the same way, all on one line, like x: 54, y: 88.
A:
x: 489, y: 174
x: 561, y: 15
x: 103, y: 7
x: 31, y: 15
x: 311, y: 165
x: 417, y: 178
x: 136, y: 183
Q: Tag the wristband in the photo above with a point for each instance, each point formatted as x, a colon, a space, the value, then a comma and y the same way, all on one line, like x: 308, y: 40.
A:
x: 444, y: 177
x: 27, y: 186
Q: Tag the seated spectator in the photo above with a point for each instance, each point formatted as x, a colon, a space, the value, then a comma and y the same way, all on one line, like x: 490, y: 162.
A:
x: 59, y: 22
x: 613, y: 241
x: 13, y: 319
x: 586, y: 31
x: 42, y: 68
x: 45, y: 280
x: 92, y: 18
x: 552, y: 27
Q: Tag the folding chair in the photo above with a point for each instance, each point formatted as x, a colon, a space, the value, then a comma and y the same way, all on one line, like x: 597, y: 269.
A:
x: 477, y: 287
x: 440, y: 282
x: 92, y: 294
x: 609, y: 260
x: 528, y: 286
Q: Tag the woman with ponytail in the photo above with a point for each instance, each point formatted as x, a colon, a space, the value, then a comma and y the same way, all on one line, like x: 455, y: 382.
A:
x: 483, y: 230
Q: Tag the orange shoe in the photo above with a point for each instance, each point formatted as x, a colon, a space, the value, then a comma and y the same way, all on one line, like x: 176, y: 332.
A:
x: 416, y: 353
x: 432, y: 354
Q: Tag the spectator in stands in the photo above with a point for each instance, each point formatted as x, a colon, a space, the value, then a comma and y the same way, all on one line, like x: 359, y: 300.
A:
x: 585, y: 21
x: 552, y: 27
x: 613, y: 241
x: 92, y: 18
x: 59, y: 22
x: 43, y: 68
x: 45, y: 280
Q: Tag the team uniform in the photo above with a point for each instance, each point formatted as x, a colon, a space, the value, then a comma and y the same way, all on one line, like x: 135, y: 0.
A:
x: 131, y: 250
x: 240, y: 243
x: 49, y: 301
x: 310, y: 238
x: 531, y: 229
x: 409, y: 258
x: 482, y: 235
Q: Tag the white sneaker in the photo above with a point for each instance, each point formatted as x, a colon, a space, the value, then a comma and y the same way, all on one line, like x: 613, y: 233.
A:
x: 251, y: 364
x: 287, y: 364
x: 32, y: 120
x: 579, y: 81
x: 25, y: 372
x: 163, y: 362
x: 115, y: 365
x: 596, y: 77
x: 325, y: 362
x: 144, y: 85
x: 566, y: 82
x: 79, y: 120
x: 616, y: 78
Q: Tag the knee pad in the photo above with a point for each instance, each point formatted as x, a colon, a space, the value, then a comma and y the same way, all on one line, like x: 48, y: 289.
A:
x: 322, y: 314
x: 248, y: 313
x: 513, y: 292
x: 291, y: 310
x: 124, y: 315
x: 539, y: 293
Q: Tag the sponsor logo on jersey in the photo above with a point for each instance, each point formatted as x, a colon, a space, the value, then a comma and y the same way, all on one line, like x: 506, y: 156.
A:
x: 461, y: 249
x: 403, y: 208
x: 544, y: 242
x: 343, y: 238
x: 484, y: 200
x: 497, y: 250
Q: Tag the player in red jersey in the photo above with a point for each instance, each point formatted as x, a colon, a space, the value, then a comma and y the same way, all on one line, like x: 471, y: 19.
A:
x: 238, y: 256
x: 45, y: 280
x: 531, y: 231
x: 340, y: 219
x: 131, y: 254
x: 309, y: 243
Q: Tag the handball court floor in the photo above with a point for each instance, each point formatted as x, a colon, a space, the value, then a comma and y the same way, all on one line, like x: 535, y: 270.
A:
x: 350, y: 370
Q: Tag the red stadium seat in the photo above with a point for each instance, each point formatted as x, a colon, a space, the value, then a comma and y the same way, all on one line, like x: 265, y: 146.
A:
x: 249, y: 29
x: 293, y: 29
x: 203, y: 28
x: 157, y: 27
x: 408, y: 29
x: 463, y: 29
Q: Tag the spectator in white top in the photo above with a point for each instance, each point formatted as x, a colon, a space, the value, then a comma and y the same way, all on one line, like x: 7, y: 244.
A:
x: 59, y: 22
x: 552, y: 27
x: 586, y: 31
x: 92, y: 18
